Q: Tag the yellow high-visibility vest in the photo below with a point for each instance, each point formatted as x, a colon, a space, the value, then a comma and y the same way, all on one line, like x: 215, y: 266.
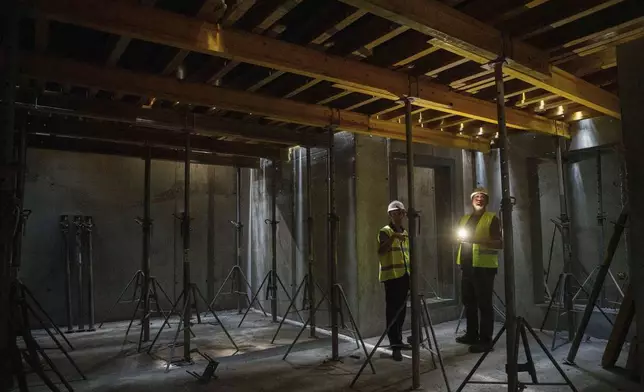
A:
x: 394, y: 263
x: 481, y: 256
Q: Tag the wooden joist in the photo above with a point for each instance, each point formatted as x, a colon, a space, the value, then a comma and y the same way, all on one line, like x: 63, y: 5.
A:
x: 168, y: 119
x: 475, y: 41
x: 132, y: 134
x: 620, y: 330
x: 135, y: 151
x: 79, y: 74
x: 199, y: 36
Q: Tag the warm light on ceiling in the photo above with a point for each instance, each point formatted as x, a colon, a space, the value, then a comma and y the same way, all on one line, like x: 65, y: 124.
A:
x: 578, y: 115
x: 462, y: 127
x: 542, y: 105
x: 481, y: 131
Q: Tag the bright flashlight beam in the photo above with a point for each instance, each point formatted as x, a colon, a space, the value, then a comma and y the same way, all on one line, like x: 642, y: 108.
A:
x: 462, y: 233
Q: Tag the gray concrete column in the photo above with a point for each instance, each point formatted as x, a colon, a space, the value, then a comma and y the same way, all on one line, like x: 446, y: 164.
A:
x: 630, y: 61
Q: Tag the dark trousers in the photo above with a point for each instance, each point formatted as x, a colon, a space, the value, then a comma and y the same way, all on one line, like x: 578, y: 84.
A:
x: 396, y: 298
x: 477, y: 289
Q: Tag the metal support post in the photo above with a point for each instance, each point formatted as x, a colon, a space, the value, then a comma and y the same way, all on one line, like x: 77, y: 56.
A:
x: 146, y: 226
x: 309, y: 244
x: 238, y: 237
x: 78, y: 252
x: 331, y: 245
x: 64, y: 229
x: 88, y: 225
x: 186, y: 253
x: 272, y: 287
x: 565, y: 240
x: 412, y: 217
x: 508, y: 240
x: 599, y: 284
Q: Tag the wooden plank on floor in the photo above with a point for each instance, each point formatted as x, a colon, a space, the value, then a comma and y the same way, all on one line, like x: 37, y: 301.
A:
x: 620, y: 330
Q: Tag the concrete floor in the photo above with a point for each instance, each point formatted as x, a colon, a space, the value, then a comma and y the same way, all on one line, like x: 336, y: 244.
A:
x: 111, y: 365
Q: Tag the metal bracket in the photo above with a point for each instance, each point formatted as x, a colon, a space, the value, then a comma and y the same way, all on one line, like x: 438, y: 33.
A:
x: 333, y: 217
x: 24, y: 216
x: 271, y: 222
x: 237, y: 224
x: 404, y: 99
x: 209, y: 372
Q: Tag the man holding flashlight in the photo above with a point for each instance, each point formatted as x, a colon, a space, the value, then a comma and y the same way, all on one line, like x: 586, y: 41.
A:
x: 479, y: 235
x: 393, y: 252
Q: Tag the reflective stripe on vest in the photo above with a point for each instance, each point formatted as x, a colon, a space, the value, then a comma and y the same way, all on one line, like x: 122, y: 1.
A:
x: 394, y: 263
x: 481, y: 256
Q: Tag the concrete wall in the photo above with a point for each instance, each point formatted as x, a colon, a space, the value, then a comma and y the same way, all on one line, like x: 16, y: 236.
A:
x: 534, y: 185
x: 110, y: 189
x: 292, y: 214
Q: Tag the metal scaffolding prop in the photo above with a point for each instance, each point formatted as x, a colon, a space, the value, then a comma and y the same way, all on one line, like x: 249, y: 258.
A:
x: 308, y: 284
x: 336, y: 297
x: 17, y: 304
x: 236, y: 275
x: 146, y: 287
x: 562, y: 296
x: 588, y: 284
x: 514, y: 326
x: 497, y: 310
x: 272, y: 278
x: 602, y: 272
x: 427, y: 329
x: 191, y: 292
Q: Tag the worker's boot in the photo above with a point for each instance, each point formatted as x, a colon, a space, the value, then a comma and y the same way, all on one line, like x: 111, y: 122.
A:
x: 396, y: 354
x: 482, y: 346
x: 467, y: 339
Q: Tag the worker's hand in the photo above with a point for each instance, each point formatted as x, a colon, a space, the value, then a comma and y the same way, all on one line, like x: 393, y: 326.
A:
x: 399, y: 236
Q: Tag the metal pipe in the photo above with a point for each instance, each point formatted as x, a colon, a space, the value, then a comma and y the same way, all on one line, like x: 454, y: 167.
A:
x: 186, y: 253
x: 600, y: 213
x: 309, y: 244
x: 331, y: 245
x: 210, y: 242
x: 145, y: 260
x: 273, y: 286
x: 9, y: 75
x: 16, y: 259
x: 508, y: 240
x: 565, y: 240
x: 64, y: 229
x: 79, y: 265
x: 599, y: 284
x: 412, y: 217
x: 238, y: 238
x: 89, y: 225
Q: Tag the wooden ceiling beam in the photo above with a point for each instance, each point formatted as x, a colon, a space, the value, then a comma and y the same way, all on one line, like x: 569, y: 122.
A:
x: 560, y: 83
x: 586, y: 65
x: 452, y: 26
x: 154, y: 137
x: 195, y: 35
x: 471, y: 39
x: 134, y: 151
x: 79, y: 74
x: 168, y: 119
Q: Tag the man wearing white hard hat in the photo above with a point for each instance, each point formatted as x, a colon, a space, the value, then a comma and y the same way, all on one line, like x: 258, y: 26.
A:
x: 479, y: 234
x: 393, y: 252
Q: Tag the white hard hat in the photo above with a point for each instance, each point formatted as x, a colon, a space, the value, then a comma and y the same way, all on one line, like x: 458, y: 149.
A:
x: 479, y: 190
x: 395, y: 205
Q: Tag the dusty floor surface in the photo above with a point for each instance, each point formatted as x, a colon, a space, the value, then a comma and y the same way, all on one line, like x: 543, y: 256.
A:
x: 112, y: 365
